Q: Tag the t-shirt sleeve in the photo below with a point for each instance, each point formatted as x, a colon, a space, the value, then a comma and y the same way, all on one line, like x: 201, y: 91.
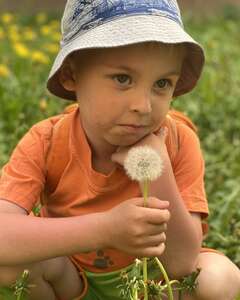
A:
x: 189, y: 169
x: 23, y: 177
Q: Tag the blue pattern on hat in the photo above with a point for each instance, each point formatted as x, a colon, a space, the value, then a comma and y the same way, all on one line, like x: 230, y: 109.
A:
x: 89, y: 14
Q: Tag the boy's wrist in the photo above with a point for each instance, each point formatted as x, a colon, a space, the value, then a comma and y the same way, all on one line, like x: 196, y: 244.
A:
x: 102, y: 231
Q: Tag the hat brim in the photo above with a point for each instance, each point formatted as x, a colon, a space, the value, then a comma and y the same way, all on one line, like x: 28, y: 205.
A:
x: 131, y: 30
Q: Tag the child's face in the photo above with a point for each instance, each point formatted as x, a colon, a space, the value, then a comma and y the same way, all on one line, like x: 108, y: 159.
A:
x: 125, y: 93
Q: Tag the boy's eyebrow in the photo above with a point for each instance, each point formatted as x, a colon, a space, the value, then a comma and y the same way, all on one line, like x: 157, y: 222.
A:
x: 128, y: 69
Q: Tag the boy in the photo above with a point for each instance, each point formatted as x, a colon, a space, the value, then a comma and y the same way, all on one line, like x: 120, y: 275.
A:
x: 123, y: 61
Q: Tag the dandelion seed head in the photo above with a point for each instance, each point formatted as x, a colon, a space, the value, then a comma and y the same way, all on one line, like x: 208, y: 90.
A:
x: 143, y: 163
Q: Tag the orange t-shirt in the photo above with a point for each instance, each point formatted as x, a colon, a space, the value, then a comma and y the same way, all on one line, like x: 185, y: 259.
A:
x: 81, y: 190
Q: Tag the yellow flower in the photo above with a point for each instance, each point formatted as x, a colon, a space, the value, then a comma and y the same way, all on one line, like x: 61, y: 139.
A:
x: 45, y: 30
x: 41, y: 18
x: 55, y: 24
x: 7, y: 18
x: 43, y: 104
x: 52, y: 48
x: 21, y: 50
x: 4, y: 71
x: 56, y: 36
x: 39, y: 57
x: 13, y: 28
x: 13, y: 33
x: 15, y: 38
x: 2, y: 34
x: 29, y: 34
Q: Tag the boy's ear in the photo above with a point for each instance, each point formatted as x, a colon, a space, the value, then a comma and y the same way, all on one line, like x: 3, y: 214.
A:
x: 66, y: 76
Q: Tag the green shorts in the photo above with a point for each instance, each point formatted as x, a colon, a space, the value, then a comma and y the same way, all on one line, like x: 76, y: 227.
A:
x: 104, y: 286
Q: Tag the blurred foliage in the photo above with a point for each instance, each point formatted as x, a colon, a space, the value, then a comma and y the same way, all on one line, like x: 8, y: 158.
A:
x: 215, y: 107
x: 28, y: 45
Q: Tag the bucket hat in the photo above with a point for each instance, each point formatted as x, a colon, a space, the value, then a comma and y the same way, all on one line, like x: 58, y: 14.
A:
x: 89, y: 24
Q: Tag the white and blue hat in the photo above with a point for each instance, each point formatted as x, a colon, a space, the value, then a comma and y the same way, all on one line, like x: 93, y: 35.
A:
x: 89, y: 24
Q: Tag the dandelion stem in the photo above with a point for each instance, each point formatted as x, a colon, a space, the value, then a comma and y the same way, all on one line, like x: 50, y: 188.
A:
x: 21, y: 285
x: 19, y: 296
x: 145, y: 273
x: 135, y: 294
x: 165, y: 276
x: 180, y: 295
x: 145, y: 192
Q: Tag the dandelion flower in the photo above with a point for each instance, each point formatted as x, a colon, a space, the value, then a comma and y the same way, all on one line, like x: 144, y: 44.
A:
x: 13, y: 33
x: 2, y: 34
x: 56, y: 36
x: 52, y: 48
x: 55, y: 24
x: 46, y: 30
x: 4, y: 71
x: 41, y: 18
x: 29, y: 34
x: 43, y: 104
x: 13, y: 29
x: 7, y: 18
x: 143, y: 164
x: 39, y: 57
x: 21, y: 50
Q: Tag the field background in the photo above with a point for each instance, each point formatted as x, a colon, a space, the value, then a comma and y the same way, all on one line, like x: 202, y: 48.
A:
x: 28, y: 44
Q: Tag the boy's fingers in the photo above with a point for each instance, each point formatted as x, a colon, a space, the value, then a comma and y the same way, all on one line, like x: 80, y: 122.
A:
x: 155, y: 240
x: 156, y: 216
x: 153, y: 202
x: 162, y: 133
x: 152, y: 251
x: 120, y: 154
x: 152, y: 229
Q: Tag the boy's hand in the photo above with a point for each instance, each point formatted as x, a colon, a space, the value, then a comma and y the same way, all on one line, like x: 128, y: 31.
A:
x: 154, y: 140
x: 138, y: 230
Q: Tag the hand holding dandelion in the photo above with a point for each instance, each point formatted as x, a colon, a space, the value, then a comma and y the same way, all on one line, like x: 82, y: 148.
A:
x: 144, y: 165
x: 156, y: 141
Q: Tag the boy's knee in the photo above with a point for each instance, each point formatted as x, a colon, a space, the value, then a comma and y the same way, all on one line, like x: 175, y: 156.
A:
x: 57, y: 276
x: 54, y: 268
x: 219, y: 280
x: 49, y: 270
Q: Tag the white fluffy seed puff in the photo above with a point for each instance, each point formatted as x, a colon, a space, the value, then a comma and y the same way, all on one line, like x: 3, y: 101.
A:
x: 143, y: 163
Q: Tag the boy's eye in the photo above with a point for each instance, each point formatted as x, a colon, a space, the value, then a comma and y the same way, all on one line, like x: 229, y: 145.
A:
x: 122, y: 78
x: 163, y: 83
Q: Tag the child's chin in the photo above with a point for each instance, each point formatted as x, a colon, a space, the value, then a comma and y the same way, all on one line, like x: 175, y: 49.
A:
x: 128, y: 141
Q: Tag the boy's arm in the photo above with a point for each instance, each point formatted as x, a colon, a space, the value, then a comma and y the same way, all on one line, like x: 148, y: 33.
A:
x: 38, y: 239
x: 184, y: 191
x: 26, y: 239
x: 184, y: 231
x: 183, y: 188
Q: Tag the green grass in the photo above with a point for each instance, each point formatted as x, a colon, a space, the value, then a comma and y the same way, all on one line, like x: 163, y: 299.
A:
x: 213, y: 105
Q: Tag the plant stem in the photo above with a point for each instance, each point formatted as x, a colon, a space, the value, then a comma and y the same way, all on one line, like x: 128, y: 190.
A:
x: 145, y: 273
x: 145, y: 192
x: 145, y: 278
x: 21, y: 285
x: 135, y: 294
x: 165, y: 276
x: 19, y: 296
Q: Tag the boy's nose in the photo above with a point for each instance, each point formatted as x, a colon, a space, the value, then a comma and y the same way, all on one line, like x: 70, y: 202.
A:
x: 141, y: 103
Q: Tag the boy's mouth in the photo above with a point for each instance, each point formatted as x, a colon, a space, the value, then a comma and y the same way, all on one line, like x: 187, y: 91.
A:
x: 133, y: 128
